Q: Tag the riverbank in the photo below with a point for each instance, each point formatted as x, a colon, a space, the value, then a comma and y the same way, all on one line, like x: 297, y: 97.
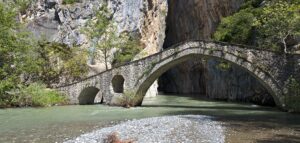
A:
x: 242, y: 122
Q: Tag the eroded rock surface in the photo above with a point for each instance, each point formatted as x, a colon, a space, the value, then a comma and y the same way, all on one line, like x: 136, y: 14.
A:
x: 54, y: 21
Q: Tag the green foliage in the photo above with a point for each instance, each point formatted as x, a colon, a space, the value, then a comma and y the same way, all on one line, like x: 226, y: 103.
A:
x: 224, y: 66
x: 16, y: 49
x: 251, y: 4
x: 23, y: 5
x: 102, y: 31
x: 70, y: 1
x: 23, y: 60
x: 236, y: 28
x: 278, y: 21
x: 292, y: 98
x: 293, y: 87
x: 293, y: 103
x: 129, y: 99
x: 5, y: 86
x: 36, y: 95
x: 127, y: 51
x: 19, y: 6
x: 269, y: 25
x: 57, y: 60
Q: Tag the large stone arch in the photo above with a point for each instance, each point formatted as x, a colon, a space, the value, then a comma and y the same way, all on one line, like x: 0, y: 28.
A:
x: 88, y: 95
x: 197, y: 52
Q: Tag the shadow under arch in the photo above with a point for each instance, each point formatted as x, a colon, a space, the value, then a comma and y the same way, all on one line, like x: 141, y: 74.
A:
x: 172, y: 61
x: 118, y: 83
x: 87, y: 95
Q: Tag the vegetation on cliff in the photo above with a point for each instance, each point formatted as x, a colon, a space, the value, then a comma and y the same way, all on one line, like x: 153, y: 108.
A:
x: 25, y: 61
x: 268, y: 24
x: 103, y: 32
x: 28, y: 67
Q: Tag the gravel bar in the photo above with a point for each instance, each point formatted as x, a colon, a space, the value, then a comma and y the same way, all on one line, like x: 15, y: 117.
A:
x: 167, y: 129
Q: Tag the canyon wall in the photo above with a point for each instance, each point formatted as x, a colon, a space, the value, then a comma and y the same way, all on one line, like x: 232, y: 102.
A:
x: 198, y: 19
x: 55, y: 21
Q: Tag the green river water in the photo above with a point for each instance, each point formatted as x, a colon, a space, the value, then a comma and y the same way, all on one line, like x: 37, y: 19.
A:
x: 243, y: 122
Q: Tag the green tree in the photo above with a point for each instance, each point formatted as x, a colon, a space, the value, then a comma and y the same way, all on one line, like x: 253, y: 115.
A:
x: 15, y: 47
x: 16, y: 51
x: 267, y: 25
x: 236, y: 28
x: 57, y: 61
x: 102, y: 31
x: 278, y: 21
x: 127, y: 52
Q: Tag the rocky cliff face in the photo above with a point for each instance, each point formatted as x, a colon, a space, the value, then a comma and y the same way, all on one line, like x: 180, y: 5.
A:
x: 198, y: 19
x: 55, y: 21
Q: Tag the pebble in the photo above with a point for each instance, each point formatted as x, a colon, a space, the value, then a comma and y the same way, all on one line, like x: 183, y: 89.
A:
x: 167, y: 129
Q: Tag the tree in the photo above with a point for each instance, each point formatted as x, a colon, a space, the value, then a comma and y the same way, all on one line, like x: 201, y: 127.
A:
x: 23, y: 60
x: 16, y: 51
x: 236, y: 28
x: 127, y: 52
x: 15, y: 46
x: 102, y: 31
x: 267, y: 24
x: 278, y: 21
x: 57, y: 61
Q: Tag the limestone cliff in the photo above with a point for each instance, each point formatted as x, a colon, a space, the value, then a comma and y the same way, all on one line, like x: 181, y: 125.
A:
x: 55, y: 21
x: 198, y: 19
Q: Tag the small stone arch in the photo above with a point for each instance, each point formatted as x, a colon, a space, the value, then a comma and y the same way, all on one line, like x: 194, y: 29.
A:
x: 87, y: 95
x: 118, y: 83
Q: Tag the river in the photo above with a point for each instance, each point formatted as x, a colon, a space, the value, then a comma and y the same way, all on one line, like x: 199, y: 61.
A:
x: 243, y: 122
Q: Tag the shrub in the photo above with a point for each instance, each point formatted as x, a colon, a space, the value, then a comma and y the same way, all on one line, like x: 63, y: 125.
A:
x: 36, y: 95
x: 292, y: 99
x: 237, y: 28
x: 6, y: 85
x: 129, y: 99
x: 293, y: 103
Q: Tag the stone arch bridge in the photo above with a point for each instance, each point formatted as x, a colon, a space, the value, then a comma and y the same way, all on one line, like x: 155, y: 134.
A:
x: 269, y: 68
